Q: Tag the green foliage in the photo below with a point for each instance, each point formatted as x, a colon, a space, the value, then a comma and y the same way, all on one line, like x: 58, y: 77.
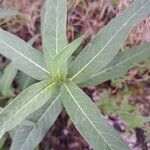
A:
x: 119, y: 65
x: 6, y: 79
x: 88, y: 119
x: 126, y: 111
x: 36, y: 108
x: 2, y: 141
x: 106, y: 44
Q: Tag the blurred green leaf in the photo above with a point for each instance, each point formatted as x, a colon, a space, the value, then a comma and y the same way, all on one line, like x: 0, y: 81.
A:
x: 6, y: 80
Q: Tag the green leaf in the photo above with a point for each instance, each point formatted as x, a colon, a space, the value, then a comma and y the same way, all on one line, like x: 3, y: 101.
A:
x: 25, y: 103
x: 29, y: 137
x: 1, y: 109
x: 7, y: 78
x: 106, y: 44
x: 25, y: 81
x: 63, y: 55
x: 53, y: 28
x: 23, y: 56
x: 119, y: 65
x: 89, y: 121
x: 8, y: 13
x: 2, y: 141
x: 128, y: 112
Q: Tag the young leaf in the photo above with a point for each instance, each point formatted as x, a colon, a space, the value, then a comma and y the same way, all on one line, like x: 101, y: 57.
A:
x: 89, y: 121
x: 7, y: 78
x: 53, y: 28
x: 23, y: 56
x: 120, y: 65
x: 8, y: 13
x: 107, y: 43
x: 26, y: 103
x: 63, y: 55
x: 29, y: 137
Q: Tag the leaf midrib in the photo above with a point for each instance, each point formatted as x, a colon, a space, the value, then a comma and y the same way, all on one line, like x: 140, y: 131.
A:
x: 109, y: 68
x: 56, y: 26
x: 11, y: 47
x: 125, y: 24
x: 30, y: 101
x: 40, y: 119
x: 86, y: 116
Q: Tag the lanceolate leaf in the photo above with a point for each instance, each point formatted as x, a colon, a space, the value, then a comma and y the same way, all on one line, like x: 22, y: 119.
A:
x: 25, y: 80
x: 7, y: 78
x: 89, y: 121
x: 105, y: 46
x: 29, y: 137
x: 26, y: 103
x: 8, y: 13
x: 62, y: 56
x: 120, y: 65
x: 23, y: 56
x: 54, y: 28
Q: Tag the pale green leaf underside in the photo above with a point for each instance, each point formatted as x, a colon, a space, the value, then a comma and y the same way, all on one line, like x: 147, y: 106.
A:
x: 8, y: 13
x: 53, y: 28
x: 29, y: 137
x: 7, y: 78
x: 63, y: 55
x: 23, y: 56
x: 25, y: 81
x: 106, y: 44
x: 24, y: 104
x: 119, y: 65
x: 89, y: 121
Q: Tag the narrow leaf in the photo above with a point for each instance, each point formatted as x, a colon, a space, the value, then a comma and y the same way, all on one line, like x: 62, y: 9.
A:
x: 29, y: 138
x: 7, y: 78
x: 106, y: 44
x: 53, y: 28
x: 24, y: 104
x: 64, y: 55
x: 2, y: 142
x: 23, y: 56
x: 120, y: 65
x: 89, y: 121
